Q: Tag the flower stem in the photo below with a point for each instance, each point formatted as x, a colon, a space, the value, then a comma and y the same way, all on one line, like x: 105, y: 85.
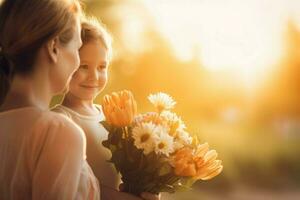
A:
x: 124, y: 131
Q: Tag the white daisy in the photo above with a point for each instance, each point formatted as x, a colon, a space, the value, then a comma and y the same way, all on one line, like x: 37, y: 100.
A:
x: 161, y: 101
x: 144, y: 136
x: 173, y: 121
x: 165, y: 142
x: 172, y: 118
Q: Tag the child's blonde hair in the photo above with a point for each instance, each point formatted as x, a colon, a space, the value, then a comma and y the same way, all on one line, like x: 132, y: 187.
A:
x: 93, y: 30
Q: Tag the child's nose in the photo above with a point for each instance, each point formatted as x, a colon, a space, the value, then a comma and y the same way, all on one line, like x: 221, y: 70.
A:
x: 94, y: 74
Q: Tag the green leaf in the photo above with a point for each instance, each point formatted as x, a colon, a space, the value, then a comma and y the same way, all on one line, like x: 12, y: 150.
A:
x: 188, y: 182
x: 106, y: 125
x: 165, y: 169
x: 181, y: 188
x: 167, y: 188
x: 115, y: 136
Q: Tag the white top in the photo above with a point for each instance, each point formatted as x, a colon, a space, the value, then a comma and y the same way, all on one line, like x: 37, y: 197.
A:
x: 97, y: 154
x: 42, y: 156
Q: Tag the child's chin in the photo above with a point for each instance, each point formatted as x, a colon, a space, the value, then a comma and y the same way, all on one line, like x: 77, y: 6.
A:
x: 88, y: 96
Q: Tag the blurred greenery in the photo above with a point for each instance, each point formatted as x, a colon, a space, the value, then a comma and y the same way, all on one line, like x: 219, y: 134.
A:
x: 256, y: 133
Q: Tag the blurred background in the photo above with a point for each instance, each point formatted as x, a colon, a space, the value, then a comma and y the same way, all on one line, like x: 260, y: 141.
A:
x: 233, y: 66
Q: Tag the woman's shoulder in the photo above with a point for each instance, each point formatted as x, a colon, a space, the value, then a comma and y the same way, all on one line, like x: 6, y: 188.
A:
x: 41, y: 127
x: 55, y: 118
x: 57, y: 125
x: 52, y: 118
x: 53, y: 128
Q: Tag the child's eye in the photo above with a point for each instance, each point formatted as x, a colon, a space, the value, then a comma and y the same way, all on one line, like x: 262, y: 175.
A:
x: 101, y: 67
x: 84, y: 66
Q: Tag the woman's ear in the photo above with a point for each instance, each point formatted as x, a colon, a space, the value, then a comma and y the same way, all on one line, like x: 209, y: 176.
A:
x: 53, y: 49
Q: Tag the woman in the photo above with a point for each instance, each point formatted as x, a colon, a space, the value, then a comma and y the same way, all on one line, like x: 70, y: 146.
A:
x: 42, y: 153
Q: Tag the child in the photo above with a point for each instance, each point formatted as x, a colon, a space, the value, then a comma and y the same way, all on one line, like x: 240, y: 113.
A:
x: 87, y: 82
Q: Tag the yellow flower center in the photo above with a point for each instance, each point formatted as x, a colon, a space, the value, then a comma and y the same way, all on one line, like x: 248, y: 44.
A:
x: 160, y: 108
x: 161, y: 145
x: 145, y: 137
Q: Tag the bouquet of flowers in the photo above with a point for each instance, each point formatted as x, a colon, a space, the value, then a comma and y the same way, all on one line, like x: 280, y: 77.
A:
x: 153, y: 151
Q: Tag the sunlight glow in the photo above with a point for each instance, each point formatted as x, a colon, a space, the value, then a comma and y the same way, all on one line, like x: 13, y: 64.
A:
x: 246, y: 36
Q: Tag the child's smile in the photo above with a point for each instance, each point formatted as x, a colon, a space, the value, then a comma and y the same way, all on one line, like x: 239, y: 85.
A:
x: 91, y: 77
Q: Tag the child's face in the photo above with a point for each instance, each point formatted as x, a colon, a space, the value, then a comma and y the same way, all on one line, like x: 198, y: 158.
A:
x: 91, y: 77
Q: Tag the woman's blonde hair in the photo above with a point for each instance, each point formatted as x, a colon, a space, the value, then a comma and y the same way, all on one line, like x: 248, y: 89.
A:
x: 93, y: 30
x: 25, y: 25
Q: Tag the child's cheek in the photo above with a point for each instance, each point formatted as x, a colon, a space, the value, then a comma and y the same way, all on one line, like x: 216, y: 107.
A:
x: 103, y: 77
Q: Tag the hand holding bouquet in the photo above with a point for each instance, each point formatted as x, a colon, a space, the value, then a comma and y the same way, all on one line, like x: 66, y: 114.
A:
x: 153, y: 151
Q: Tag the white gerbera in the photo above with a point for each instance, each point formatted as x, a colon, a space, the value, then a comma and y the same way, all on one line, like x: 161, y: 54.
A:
x: 165, y: 142
x: 161, y: 101
x: 144, y: 136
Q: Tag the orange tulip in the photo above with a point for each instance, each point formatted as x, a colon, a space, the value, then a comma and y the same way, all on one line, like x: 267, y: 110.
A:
x: 119, y: 108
